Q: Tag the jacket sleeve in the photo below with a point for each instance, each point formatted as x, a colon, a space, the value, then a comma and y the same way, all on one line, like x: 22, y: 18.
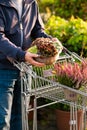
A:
x: 39, y: 30
x: 7, y: 48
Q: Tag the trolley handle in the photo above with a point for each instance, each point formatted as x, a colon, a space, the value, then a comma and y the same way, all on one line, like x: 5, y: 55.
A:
x: 73, y: 54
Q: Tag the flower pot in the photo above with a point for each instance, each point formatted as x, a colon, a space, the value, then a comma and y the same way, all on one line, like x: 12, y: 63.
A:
x: 70, y: 95
x: 47, y: 60
x: 63, y: 119
x: 31, y: 105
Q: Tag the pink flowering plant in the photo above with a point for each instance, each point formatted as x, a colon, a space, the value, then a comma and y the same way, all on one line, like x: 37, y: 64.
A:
x: 73, y: 75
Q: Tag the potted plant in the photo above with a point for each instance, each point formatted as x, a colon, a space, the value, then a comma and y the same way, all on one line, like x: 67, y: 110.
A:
x: 72, y: 75
x: 64, y: 119
x: 48, y: 50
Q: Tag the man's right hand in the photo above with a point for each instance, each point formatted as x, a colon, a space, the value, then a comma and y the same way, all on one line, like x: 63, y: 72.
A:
x: 29, y: 57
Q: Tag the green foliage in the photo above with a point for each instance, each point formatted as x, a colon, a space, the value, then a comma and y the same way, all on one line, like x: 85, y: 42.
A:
x: 60, y: 105
x: 65, y: 8
x: 72, y: 33
x: 33, y: 49
x: 64, y: 107
x: 57, y: 27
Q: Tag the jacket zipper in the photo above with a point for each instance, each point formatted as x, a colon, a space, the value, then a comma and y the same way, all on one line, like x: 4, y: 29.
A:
x: 21, y: 30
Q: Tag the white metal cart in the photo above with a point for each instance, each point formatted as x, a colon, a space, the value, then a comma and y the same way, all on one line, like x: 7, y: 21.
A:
x: 40, y: 82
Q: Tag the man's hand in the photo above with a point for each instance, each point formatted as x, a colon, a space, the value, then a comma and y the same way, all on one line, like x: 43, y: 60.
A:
x: 29, y: 57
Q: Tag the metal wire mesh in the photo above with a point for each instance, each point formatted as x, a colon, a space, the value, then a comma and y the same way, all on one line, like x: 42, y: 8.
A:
x: 41, y: 82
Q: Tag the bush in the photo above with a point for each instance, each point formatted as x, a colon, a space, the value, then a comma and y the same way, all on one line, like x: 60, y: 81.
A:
x: 65, y: 8
x: 72, y: 33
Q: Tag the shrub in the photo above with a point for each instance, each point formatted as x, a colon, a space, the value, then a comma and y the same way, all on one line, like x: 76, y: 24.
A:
x: 72, y: 33
x: 65, y: 8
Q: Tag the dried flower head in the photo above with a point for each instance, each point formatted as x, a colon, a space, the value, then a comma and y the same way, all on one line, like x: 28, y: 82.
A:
x: 45, y: 47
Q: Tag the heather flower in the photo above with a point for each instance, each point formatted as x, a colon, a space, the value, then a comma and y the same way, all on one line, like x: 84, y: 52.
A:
x: 73, y: 75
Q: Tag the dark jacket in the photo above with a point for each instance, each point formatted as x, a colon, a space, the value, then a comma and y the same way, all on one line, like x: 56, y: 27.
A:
x: 16, y: 35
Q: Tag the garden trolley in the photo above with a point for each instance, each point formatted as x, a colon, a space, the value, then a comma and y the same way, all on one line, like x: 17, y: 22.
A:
x: 40, y: 82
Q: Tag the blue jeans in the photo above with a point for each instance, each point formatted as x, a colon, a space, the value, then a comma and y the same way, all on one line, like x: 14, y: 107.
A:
x: 10, y: 100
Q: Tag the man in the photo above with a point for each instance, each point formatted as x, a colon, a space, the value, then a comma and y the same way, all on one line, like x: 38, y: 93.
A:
x: 20, y: 23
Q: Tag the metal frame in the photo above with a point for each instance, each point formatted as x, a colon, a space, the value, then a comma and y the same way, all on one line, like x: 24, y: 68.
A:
x: 33, y: 82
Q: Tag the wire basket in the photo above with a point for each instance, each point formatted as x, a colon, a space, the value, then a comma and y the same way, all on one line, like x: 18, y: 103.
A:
x: 42, y: 81
x: 70, y: 95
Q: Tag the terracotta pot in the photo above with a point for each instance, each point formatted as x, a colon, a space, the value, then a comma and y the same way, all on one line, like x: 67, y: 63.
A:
x: 63, y: 119
x: 30, y: 115
x: 47, y: 60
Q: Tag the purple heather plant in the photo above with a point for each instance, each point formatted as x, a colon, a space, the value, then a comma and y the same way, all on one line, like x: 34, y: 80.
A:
x: 73, y: 75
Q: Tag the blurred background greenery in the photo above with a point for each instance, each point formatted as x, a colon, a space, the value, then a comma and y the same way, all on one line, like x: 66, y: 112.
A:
x: 64, y: 8
x: 66, y: 20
